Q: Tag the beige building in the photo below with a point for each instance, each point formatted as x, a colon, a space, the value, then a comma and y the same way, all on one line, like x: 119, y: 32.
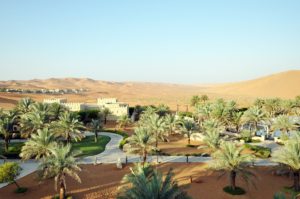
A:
x: 116, y: 108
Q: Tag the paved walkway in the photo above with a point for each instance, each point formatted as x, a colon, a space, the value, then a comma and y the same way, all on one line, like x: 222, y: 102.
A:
x: 112, y: 153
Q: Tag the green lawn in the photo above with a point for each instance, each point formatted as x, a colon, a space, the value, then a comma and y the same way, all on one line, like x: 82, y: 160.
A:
x: 88, y: 147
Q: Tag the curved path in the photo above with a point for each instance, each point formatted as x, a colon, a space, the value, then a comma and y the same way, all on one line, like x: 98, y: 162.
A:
x: 112, y: 154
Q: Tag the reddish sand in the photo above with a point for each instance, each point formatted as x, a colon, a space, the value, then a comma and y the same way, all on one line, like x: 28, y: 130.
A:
x: 277, y: 85
x: 101, y: 181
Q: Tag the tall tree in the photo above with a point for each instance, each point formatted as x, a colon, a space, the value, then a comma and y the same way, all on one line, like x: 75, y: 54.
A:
x: 6, y: 127
x: 187, y: 127
x: 69, y: 127
x: 96, y: 126
x: 254, y: 115
x: 230, y: 159
x: 158, y: 127
x: 142, y: 142
x: 289, y: 156
x: 60, y: 164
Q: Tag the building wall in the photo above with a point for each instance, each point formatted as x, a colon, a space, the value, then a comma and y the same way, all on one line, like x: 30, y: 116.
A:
x: 55, y: 100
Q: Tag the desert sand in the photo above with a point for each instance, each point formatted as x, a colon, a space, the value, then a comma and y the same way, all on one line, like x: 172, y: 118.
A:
x: 283, y: 85
x: 101, y: 181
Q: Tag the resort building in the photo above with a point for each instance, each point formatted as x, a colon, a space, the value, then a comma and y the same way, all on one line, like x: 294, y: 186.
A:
x: 116, y: 108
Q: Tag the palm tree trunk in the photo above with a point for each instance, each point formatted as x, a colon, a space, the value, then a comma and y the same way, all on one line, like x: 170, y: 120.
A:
x: 232, y: 179
x: 15, y: 182
x: 62, y: 191
x: 144, y: 157
x: 189, y: 138
x: 156, y: 140
x: 296, y: 181
x: 96, y: 136
x: 6, y: 144
x: 105, y: 119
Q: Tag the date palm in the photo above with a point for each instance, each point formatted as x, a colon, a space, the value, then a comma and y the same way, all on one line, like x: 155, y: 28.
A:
x: 59, y: 164
x: 142, y: 142
x: 289, y: 155
x: 212, y: 124
x: 33, y: 121
x: 105, y: 113
x: 284, y: 124
x: 56, y: 110
x: 157, y: 126
x: 162, y: 110
x: 148, y: 183
x: 236, y: 120
x: 96, y: 126
x: 69, y: 127
x: 230, y: 159
x: 212, y: 139
x: 24, y: 105
x: 123, y: 121
x: 254, y: 115
x: 195, y: 100
x: 171, y: 123
x: 39, y: 145
x: 187, y: 127
x: 7, y: 121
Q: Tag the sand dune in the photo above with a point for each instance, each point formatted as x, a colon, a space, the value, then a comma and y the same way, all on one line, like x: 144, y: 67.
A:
x: 284, y: 85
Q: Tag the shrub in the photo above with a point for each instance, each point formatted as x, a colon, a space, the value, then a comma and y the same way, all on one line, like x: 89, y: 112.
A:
x: 236, y: 191
x: 9, y: 171
x: 122, y: 143
x: 246, y: 135
x: 259, y: 151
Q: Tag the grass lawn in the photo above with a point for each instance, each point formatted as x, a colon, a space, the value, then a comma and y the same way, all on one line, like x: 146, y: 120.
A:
x: 14, y: 149
x: 88, y: 147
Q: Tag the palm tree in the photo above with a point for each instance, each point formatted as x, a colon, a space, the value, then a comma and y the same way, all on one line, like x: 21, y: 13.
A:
x: 158, y: 127
x: 105, y: 113
x: 195, y: 100
x: 96, y: 126
x: 230, y: 159
x: 59, y: 164
x: 289, y: 155
x: 39, y: 145
x: 254, y: 115
x: 203, y: 112
x: 284, y: 124
x: 123, y: 121
x: 6, y: 127
x: 212, y: 124
x: 162, y: 110
x: 212, y: 139
x: 204, y: 98
x: 24, y: 105
x: 56, y: 110
x: 69, y: 127
x: 187, y: 128
x: 236, y: 120
x: 33, y: 121
x: 142, y: 142
x: 148, y: 183
x: 171, y: 123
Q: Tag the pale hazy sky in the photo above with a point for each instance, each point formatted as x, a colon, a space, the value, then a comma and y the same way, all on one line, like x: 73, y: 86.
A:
x: 180, y: 41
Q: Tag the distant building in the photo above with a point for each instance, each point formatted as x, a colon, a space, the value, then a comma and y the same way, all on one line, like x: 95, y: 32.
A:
x: 116, y: 108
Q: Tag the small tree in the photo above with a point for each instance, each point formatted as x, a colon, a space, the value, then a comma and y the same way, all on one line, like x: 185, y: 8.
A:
x: 212, y: 139
x: 187, y: 128
x: 230, y: 159
x: 105, y: 113
x: 96, y: 126
x: 9, y: 172
x: 123, y: 121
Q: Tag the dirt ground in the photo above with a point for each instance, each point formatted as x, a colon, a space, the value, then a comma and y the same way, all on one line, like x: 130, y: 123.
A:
x: 178, y: 145
x: 101, y: 181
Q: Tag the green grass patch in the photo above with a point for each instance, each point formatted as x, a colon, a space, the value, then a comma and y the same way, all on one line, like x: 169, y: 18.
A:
x: 89, y: 147
x: 14, y: 149
x: 236, y: 191
x: 259, y: 151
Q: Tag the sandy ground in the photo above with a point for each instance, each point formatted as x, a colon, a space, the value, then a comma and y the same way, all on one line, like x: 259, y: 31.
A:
x: 142, y: 93
x: 178, y: 145
x: 101, y: 181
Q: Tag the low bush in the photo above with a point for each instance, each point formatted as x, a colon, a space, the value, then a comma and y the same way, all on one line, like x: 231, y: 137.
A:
x: 259, y: 151
x: 236, y: 191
